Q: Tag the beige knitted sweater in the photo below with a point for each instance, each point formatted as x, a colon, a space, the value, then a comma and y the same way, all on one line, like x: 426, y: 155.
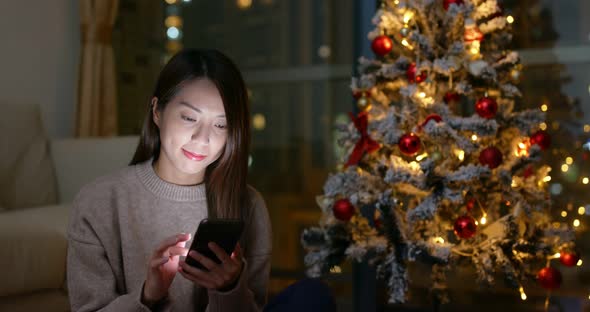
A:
x: 116, y: 223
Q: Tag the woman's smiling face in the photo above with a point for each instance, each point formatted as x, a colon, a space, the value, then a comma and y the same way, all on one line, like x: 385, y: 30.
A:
x: 193, y: 132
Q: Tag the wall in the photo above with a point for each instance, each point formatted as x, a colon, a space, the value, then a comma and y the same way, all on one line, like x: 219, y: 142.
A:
x: 39, y: 59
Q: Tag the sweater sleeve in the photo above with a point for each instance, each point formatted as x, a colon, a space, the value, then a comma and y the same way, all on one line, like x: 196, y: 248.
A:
x: 250, y: 293
x: 92, y: 282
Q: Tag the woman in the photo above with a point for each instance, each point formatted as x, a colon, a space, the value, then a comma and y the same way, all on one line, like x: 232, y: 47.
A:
x: 128, y: 230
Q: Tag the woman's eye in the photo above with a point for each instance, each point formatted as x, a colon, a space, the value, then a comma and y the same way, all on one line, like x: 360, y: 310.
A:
x: 220, y: 126
x: 187, y: 118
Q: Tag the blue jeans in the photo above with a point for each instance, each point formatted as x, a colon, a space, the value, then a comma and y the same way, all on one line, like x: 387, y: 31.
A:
x: 309, y: 295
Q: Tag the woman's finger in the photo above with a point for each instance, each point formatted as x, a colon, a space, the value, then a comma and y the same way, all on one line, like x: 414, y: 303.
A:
x: 205, y: 261
x: 176, y: 251
x: 171, y: 241
x: 201, y: 282
x: 154, y: 263
x: 210, y: 277
x: 219, y: 252
x: 237, y: 254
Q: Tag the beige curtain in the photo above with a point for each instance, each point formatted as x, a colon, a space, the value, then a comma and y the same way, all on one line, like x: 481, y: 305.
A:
x: 97, y: 93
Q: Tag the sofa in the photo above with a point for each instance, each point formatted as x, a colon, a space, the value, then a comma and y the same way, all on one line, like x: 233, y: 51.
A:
x: 33, y: 240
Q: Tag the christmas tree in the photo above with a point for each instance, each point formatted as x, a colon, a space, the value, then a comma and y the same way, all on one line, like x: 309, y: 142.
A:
x: 438, y: 169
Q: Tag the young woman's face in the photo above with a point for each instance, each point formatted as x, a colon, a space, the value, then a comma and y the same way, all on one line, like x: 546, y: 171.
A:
x: 193, y: 132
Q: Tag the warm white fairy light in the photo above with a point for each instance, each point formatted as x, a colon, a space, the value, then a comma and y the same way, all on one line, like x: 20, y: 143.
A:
x: 569, y: 160
x: 581, y: 210
x: 547, y: 178
x: 335, y: 270
x: 422, y: 156
x: 556, y: 256
x: 585, y: 180
x: 483, y: 219
x: 514, y: 183
x: 460, y: 154
x: 579, y: 262
x: 576, y: 223
x: 564, y: 213
x: 522, y: 294
x: 544, y: 107
x: 422, y: 95
x: 510, y: 19
x: 586, y: 128
x: 406, y: 44
x: 474, y: 137
x: 408, y: 16
x: 565, y: 167
x: 439, y: 240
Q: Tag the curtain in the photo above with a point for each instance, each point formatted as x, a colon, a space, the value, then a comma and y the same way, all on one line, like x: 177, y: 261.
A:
x: 97, y: 94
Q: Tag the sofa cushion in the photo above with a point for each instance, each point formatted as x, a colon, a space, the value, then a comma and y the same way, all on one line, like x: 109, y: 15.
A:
x: 26, y: 171
x: 81, y: 160
x: 33, y: 246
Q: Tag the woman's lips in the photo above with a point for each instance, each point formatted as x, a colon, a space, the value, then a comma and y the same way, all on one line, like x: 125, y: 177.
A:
x: 193, y: 156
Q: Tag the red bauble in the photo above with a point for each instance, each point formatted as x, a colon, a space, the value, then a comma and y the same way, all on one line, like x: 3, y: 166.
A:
x: 434, y: 117
x: 569, y: 259
x: 542, y: 139
x: 411, y: 74
x: 470, y: 204
x: 528, y: 172
x: 447, y: 3
x: 491, y: 157
x: 549, y: 278
x: 343, y: 210
x: 409, y: 144
x: 486, y: 107
x: 465, y: 227
x: 382, y: 45
x: 451, y: 97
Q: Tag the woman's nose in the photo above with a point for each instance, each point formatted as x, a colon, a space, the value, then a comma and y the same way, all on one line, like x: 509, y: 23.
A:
x: 201, y: 134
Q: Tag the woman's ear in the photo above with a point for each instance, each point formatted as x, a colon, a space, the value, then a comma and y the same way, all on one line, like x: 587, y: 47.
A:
x: 155, y: 111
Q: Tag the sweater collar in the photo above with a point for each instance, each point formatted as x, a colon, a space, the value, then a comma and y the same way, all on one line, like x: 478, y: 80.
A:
x: 147, y: 175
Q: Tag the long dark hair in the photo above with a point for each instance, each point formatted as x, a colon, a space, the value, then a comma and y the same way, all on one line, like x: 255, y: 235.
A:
x: 225, y: 179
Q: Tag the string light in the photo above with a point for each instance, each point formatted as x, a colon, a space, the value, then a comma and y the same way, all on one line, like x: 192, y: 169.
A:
x: 556, y: 256
x: 544, y: 107
x: 474, y: 137
x: 460, y: 154
x: 406, y: 44
x: 543, y: 126
x: 565, y: 167
x: 569, y: 160
x: 510, y: 19
x: 564, y: 213
x: 547, y: 178
x: 422, y: 94
x: 335, y: 269
x: 522, y: 294
x: 576, y: 223
x: 439, y: 240
x: 585, y: 180
x: 579, y: 262
x: 483, y: 219
x: 408, y: 16
x: 586, y: 128
x: 422, y: 156
x: 581, y: 210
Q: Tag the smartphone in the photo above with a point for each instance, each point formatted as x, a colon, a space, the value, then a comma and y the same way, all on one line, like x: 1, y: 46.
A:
x: 224, y: 232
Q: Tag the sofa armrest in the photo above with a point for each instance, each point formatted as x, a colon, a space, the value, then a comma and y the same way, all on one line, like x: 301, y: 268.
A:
x: 79, y: 161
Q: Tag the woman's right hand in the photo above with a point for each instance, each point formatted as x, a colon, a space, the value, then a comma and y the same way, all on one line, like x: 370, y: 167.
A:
x: 162, y: 267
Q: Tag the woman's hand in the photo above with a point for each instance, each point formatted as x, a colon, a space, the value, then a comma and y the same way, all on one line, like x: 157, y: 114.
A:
x: 221, y: 276
x: 162, y: 267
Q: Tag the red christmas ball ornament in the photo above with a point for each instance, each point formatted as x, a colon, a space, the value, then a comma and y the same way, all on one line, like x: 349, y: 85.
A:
x: 465, y: 227
x: 569, y: 259
x: 470, y: 204
x: 434, y: 117
x: 343, y: 210
x: 491, y: 157
x: 382, y: 45
x: 409, y: 144
x: 541, y: 138
x: 549, y: 278
x: 451, y: 97
x: 357, y: 94
x: 411, y: 74
x: 486, y: 107
x: 528, y: 172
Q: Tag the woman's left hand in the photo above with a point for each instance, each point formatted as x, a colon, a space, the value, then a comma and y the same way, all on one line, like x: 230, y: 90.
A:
x: 220, y: 276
